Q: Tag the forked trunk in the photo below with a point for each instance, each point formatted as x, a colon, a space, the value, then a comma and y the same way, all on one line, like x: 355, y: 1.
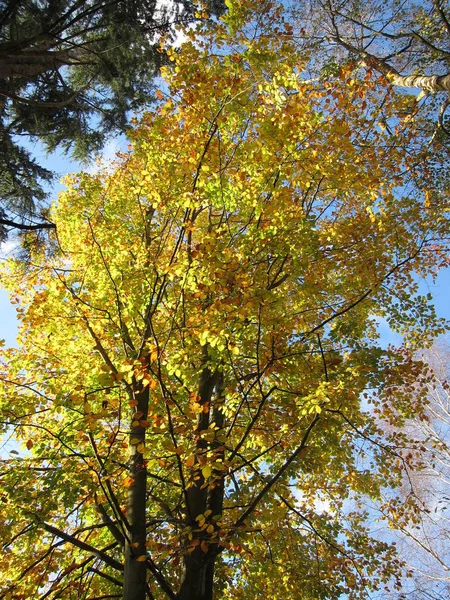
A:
x: 199, y: 576
x: 198, y: 581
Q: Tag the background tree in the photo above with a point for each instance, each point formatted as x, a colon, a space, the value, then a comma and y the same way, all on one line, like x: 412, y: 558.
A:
x: 402, y: 44
x: 199, y: 358
x: 408, y: 42
x: 424, y: 543
x: 70, y: 74
x: 405, y: 42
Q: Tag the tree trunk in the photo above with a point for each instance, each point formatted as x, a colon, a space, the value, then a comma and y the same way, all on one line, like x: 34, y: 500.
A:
x: 32, y: 63
x: 135, y: 575
x: 428, y: 83
x: 198, y: 581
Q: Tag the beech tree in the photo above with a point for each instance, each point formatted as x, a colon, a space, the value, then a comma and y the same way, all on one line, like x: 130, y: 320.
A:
x: 199, y: 388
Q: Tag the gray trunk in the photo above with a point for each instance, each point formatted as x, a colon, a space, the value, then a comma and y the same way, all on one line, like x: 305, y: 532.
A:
x: 428, y: 83
x: 135, y: 574
x: 198, y: 580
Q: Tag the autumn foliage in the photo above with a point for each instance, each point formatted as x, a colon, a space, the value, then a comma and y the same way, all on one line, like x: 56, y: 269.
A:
x: 199, y: 387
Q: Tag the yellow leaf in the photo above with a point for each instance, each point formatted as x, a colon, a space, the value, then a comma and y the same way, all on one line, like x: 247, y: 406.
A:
x: 206, y: 471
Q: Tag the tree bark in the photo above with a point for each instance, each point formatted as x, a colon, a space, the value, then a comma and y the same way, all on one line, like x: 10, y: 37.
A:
x: 135, y: 575
x: 198, y: 580
x: 31, y: 63
x: 428, y: 83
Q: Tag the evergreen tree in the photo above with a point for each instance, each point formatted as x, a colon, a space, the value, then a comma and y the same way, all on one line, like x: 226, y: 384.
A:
x: 71, y: 72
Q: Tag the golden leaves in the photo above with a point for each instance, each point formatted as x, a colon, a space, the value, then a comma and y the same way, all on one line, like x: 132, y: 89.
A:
x: 141, y: 558
x: 190, y: 461
x: 206, y: 471
x: 255, y: 210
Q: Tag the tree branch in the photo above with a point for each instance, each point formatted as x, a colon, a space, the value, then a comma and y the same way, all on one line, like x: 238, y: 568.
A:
x: 82, y: 545
x: 24, y: 227
x: 278, y: 475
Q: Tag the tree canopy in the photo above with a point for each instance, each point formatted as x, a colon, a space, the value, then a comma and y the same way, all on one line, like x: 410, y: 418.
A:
x: 70, y: 73
x: 200, y: 389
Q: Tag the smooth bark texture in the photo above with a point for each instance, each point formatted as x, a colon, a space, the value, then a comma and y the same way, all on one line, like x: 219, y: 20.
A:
x: 135, y: 575
x: 198, y: 577
x: 428, y: 83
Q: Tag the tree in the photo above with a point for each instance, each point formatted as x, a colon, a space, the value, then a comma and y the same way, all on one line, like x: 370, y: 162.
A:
x: 405, y: 42
x: 70, y: 73
x: 399, y: 40
x: 424, y: 542
x: 198, y: 354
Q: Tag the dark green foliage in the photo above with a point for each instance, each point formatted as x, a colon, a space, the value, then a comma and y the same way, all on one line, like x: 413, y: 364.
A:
x: 71, y: 72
